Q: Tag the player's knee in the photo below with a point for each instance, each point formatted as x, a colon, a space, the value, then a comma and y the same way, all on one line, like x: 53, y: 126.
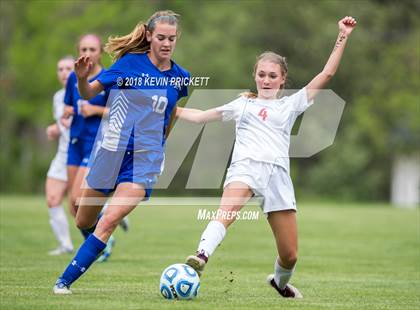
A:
x: 229, y: 209
x: 53, y: 200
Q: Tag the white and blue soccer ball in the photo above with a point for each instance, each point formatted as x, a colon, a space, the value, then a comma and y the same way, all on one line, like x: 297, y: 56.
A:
x: 179, y: 281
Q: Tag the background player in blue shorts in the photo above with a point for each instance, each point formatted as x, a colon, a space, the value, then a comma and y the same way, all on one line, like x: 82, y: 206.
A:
x: 132, y: 150
x: 87, y: 117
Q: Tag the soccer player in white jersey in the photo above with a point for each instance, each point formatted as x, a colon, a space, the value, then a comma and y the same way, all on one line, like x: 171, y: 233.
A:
x: 260, y: 163
x: 56, y: 183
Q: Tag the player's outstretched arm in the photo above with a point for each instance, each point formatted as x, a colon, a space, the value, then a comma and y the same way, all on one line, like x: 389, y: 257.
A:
x: 345, y: 27
x: 198, y: 116
x: 83, y: 67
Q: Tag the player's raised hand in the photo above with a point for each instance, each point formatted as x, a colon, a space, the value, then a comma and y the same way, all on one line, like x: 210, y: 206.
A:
x: 346, y: 25
x: 82, y: 67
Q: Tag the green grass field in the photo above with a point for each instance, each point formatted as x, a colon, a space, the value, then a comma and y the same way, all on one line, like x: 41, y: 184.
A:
x: 351, y: 257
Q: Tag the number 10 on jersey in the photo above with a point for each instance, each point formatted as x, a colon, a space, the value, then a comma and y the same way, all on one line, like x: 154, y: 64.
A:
x: 159, y: 103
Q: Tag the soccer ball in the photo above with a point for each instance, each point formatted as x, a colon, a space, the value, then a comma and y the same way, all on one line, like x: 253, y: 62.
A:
x: 179, y: 281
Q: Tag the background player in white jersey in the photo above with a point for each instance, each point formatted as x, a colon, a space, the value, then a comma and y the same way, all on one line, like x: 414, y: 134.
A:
x: 260, y: 163
x: 56, y: 183
x: 86, y: 119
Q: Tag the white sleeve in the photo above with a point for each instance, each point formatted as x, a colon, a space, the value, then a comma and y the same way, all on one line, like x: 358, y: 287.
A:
x: 232, y: 110
x: 58, y: 105
x: 299, y: 101
x: 58, y: 109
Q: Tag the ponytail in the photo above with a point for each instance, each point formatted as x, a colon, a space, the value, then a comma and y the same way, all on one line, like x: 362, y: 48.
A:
x: 136, y: 41
x: 248, y: 95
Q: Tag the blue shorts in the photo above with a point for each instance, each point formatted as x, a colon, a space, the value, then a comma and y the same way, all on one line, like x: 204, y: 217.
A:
x: 110, y: 168
x: 79, y: 152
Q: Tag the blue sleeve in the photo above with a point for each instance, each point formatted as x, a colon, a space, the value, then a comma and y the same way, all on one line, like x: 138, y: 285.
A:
x: 109, y: 77
x: 68, y: 96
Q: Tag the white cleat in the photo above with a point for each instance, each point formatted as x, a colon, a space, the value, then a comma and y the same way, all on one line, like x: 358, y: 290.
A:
x: 61, y: 289
x: 288, y: 292
x: 60, y: 251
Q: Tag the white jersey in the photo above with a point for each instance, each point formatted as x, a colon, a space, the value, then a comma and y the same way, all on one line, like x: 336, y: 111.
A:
x: 58, y: 110
x: 263, y: 127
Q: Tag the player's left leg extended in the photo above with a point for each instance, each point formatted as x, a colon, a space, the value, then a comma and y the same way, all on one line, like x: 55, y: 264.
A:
x: 124, y: 200
x: 284, y: 227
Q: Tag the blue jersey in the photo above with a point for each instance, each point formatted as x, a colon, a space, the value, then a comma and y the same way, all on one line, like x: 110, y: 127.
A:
x: 142, y: 100
x: 83, y: 128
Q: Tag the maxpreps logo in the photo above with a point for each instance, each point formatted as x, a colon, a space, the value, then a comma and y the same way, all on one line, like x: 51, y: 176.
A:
x: 316, y: 131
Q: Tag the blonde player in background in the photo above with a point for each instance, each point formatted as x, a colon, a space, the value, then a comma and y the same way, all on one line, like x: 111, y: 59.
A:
x: 260, y: 161
x: 56, y: 183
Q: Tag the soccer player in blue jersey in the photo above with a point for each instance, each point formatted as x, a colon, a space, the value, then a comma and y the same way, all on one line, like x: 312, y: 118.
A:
x: 132, y: 151
x: 87, y: 116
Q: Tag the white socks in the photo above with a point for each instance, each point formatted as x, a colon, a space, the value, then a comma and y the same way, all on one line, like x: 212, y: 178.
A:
x: 282, y: 275
x: 212, y: 236
x: 60, y: 227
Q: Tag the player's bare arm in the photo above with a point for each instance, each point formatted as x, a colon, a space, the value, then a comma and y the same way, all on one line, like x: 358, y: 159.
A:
x: 198, y: 116
x: 345, y: 27
x: 67, y: 113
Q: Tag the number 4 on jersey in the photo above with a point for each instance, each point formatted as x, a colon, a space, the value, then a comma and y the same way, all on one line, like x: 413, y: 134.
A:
x: 263, y: 113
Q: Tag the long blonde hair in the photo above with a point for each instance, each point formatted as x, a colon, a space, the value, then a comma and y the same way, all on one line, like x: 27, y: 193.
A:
x: 136, y: 41
x: 271, y: 57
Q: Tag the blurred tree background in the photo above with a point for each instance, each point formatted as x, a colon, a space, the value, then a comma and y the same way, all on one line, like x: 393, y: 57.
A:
x: 378, y: 77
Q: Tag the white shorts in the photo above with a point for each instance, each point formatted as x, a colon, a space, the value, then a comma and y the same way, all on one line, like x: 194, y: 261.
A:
x: 269, y: 181
x: 58, y: 167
